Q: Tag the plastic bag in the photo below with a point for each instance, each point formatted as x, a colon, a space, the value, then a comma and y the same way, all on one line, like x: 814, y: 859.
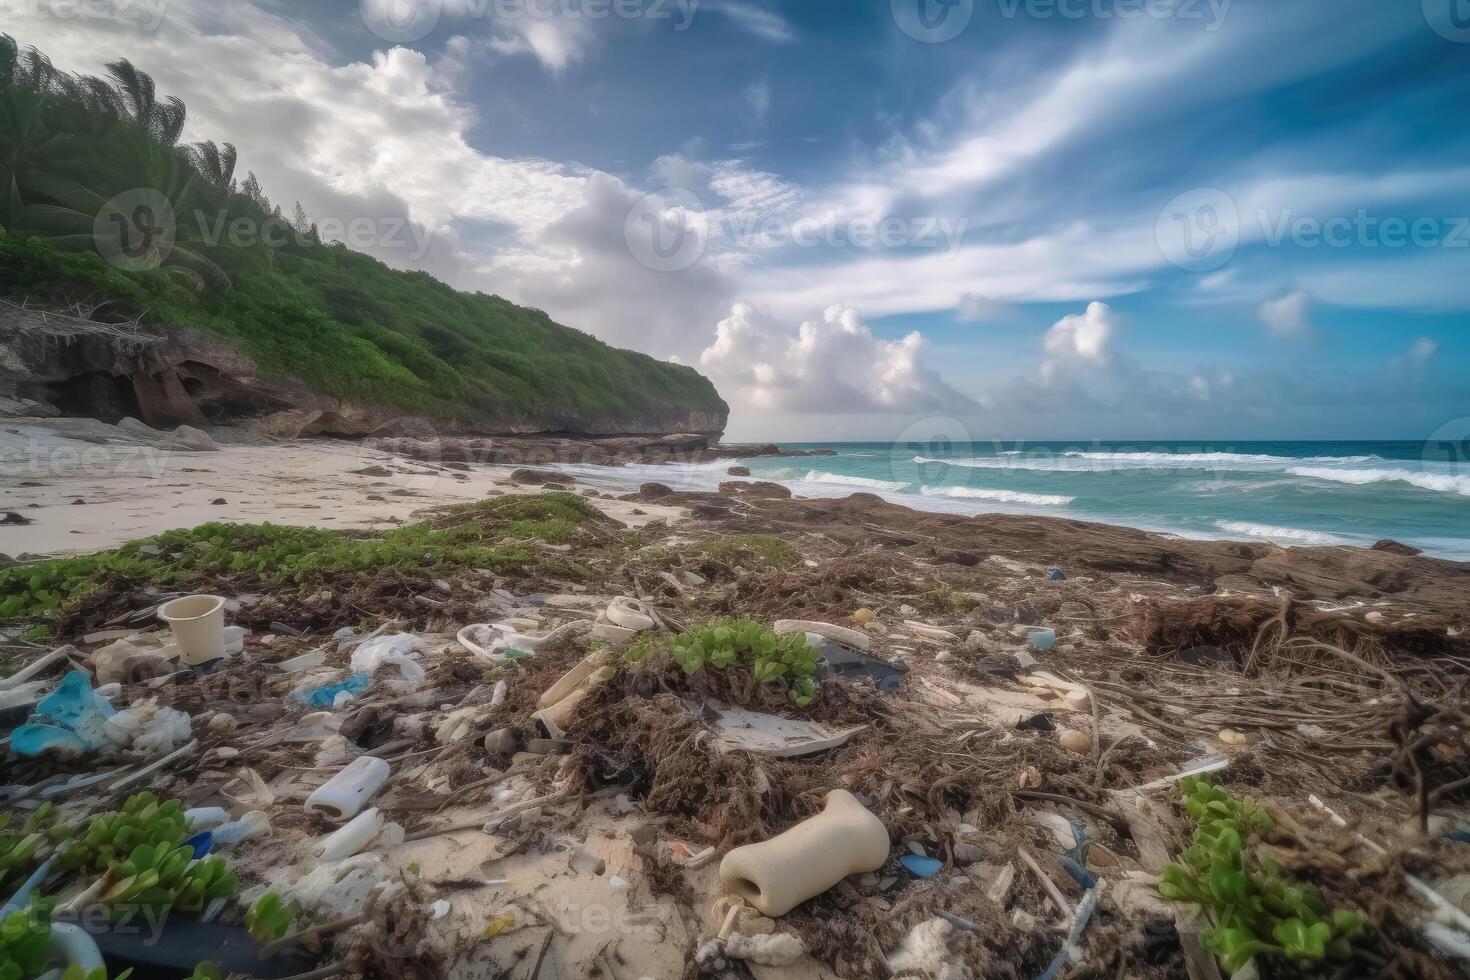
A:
x: 381, y: 651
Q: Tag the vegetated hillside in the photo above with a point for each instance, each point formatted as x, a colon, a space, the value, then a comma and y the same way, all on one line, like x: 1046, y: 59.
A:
x: 83, y: 158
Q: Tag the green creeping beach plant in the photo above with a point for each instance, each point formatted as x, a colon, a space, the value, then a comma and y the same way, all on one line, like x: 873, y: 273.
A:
x: 23, y: 848
x: 268, y: 918
x: 785, y: 660
x: 1253, y: 909
x: 485, y: 534
x: 25, y: 946
x: 111, y: 838
x: 141, y: 847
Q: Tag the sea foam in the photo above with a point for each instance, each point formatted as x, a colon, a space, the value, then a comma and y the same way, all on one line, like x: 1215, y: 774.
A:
x: 1281, y: 535
x: 999, y: 496
x: 1438, y: 482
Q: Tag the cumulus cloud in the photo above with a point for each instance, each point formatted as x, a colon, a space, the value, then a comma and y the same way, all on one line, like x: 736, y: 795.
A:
x: 1288, y: 315
x: 1081, y: 339
x: 830, y: 365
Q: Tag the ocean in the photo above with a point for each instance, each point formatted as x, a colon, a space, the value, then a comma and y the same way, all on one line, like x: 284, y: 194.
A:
x: 1289, y: 493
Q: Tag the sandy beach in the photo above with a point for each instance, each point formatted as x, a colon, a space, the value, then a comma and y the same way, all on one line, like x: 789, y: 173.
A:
x: 85, y: 485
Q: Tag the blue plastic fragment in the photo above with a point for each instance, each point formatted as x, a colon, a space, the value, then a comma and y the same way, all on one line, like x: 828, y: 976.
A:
x: 202, y: 844
x: 924, y: 867
x: 1458, y: 836
x: 1077, y: 871
x: 1042, y: 638
x: 1055, y: 575
x: 71, y: 718
x: 324, y: 695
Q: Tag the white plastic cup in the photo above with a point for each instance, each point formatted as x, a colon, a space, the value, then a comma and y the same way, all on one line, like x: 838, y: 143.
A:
x: 198, y: 622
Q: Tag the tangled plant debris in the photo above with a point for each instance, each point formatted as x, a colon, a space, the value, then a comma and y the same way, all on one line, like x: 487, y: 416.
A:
x: 560, y: 717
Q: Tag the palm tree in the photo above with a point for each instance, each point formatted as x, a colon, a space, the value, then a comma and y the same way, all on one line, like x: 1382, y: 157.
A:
x: 216, y: 164
x: 163, y: 120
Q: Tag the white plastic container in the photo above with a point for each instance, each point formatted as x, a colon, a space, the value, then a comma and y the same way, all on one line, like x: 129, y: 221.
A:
x: 779, y: 874
x: 198, y: 622
x: 341, y: 797
x: 352, y: 837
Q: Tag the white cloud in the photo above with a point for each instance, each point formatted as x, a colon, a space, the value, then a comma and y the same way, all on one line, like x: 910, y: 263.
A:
x: 1420, y: 353
x: 831, y: 365
x: 1081, y: 338
x: 754, y: 19
x: 1288, y: 315
x: 554, y: 41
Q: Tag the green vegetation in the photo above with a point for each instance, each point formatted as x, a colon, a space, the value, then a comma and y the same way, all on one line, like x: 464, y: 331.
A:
x: 140, y: 852
x: 268, y: 918
x: 487, y: 534
x: 783, y: 660
x: 99, y: 204
x: 24, y: 848
x: 1241, y: 890
x: 111, y: 837
x: 141, y: 848
x: 25, y: 938
x: 950, y: 598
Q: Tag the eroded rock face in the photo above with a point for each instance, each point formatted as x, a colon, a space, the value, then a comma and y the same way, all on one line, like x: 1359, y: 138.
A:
x: 53, y: 365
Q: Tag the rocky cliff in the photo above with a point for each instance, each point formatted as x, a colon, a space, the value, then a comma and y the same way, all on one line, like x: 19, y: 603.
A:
x: 54, y: 364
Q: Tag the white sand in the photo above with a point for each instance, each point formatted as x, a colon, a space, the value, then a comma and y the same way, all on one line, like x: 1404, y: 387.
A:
x: 135, y: 488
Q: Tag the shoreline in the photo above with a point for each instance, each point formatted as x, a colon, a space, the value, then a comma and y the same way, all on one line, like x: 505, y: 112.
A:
x: 138, y: 483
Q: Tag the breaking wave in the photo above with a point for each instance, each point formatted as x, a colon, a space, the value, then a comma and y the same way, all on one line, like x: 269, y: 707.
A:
x: 816, y: 476
x: 1102, y: 462
x: 999, y: 496
x: 1279, y: 535
x: 1438, y: 482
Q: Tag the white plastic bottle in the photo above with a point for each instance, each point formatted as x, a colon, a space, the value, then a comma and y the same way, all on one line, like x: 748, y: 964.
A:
x: 341, y: 797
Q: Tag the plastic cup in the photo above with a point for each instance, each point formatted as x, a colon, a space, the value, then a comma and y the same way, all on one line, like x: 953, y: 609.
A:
x: 198, y: 622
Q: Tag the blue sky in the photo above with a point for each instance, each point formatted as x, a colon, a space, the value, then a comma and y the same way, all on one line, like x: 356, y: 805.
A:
x: 1076, y: 219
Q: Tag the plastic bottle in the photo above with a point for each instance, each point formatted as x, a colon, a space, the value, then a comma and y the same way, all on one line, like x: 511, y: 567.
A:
x: 342, y: 796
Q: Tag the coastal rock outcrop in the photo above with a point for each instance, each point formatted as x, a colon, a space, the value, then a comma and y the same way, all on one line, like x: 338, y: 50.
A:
x: 63, y: 365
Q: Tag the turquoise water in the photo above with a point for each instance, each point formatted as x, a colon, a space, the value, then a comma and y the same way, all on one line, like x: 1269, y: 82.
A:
x: 1303, y: 493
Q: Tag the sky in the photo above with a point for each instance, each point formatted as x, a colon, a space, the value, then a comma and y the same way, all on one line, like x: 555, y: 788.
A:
x: 1038, y: 219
